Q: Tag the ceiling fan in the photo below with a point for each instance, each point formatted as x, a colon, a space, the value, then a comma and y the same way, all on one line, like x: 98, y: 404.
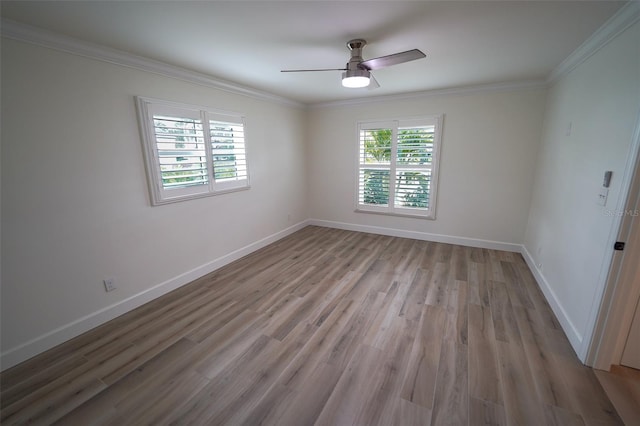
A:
x: 358, y: 71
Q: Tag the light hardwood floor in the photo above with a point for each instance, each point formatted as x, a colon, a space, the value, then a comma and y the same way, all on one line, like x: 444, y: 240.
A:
x: 325, y: 327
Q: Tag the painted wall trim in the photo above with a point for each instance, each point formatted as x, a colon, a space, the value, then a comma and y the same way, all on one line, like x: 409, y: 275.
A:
x: 574, y: 336
x: 73, y: 329
x: 29, y: 34
x: 466, y: 90
x: 416, y: 235
x: 628, y: 15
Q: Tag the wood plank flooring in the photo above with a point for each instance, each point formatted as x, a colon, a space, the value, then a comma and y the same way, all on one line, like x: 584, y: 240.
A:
x: 324, y: 327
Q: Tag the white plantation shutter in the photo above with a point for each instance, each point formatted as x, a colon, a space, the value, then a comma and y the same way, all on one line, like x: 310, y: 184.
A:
x: 413, y: 166
x: 190, y: 151
x: 397, y: 166
x: 375, y: 156
x: 181, y: 151
x: 228, y: 153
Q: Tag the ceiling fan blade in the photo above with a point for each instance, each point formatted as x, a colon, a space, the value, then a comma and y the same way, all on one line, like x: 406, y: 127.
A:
x: 373, y: 83
x: 324, y: 69
x: 396, y: 58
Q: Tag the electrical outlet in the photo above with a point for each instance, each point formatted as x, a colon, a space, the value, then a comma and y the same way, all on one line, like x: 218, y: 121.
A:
x: 109, y: 284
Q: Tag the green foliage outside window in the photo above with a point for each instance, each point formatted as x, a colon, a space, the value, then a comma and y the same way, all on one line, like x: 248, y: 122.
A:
x: 414, y: 147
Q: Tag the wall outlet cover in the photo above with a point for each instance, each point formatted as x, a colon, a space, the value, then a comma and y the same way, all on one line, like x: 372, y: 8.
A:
x: 109, y: 284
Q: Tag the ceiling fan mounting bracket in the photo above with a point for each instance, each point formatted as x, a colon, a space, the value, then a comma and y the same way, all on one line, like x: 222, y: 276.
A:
x: 357, y: 43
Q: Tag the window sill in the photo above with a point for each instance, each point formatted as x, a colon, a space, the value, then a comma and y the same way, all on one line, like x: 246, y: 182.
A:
x: 179, y: 199
x: 427, y: 216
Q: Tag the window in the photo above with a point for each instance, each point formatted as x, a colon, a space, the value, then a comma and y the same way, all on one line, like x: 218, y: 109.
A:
x: 191, y: 151
x: 398, y: 166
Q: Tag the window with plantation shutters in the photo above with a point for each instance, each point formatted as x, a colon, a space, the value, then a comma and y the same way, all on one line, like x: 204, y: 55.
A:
x: 228, y: 152
x: 398, y: 166
x: 191, y: 151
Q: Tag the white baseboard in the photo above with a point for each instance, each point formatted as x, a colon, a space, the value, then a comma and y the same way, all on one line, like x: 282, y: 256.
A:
x: 68, y: 331
x: 416, y: 235
x: 575, y: 338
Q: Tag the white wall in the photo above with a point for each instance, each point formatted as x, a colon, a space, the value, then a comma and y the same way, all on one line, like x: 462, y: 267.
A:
x: 489, y: 147
x: 75, y: 204
x: 568, y: 233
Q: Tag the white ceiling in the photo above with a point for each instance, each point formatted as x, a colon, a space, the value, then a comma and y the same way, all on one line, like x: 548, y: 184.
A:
x: 467, y: 43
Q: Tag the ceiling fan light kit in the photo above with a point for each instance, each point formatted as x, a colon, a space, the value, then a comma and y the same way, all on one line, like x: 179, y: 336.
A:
x: 356, y: 78
x: 357, y: 73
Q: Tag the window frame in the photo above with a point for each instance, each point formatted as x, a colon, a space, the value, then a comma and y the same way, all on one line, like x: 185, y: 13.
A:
x: 146, y: 108
x: 393, y: 125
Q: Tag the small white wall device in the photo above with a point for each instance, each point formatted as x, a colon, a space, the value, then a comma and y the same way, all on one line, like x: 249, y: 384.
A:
x: 603, y: 193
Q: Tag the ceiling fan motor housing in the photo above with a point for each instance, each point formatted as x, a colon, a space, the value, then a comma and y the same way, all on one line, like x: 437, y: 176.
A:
x: 356, y: 72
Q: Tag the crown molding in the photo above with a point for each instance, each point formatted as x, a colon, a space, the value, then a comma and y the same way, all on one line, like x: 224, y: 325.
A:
x: 29, y: 34
x: 628, y: 15
x: 466, y: 90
